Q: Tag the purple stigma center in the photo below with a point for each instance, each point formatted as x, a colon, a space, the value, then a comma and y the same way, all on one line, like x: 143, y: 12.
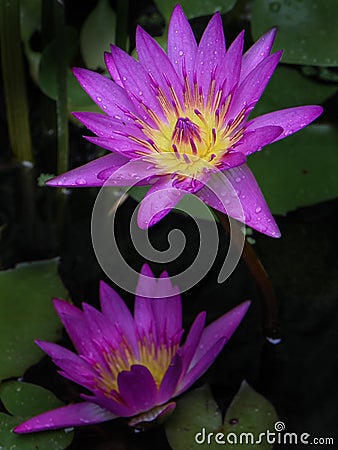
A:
x: 185, y: 131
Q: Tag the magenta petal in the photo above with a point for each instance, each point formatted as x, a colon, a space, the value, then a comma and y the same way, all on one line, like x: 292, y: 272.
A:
x: 74, y: 366
x: 229, y: 67
x: 259, y: 50
x: 145, y: 293
x: 242, y: 199
x: 257, y: 138
x: 112, y: 69
x: 210, y: 51
x: 134, y: 172
x: 137, y: 388
x: 105, y: 126
x: 113, y: 406
x: 201, y: 367
x: 110, y: 97
x: 222, y: 328
x: 137, y: 84
x: 122, y: 145
x: 117, y: 312
x: 170, y: 380
x: 75, y: 324
x: 290, y: 119
x: 181, y: 44
x: 158, y: 202
x: 193, y: 338
x: 157, y: 64
x: 89, y: 174
x: 64, y: 417
x: 252, y: 87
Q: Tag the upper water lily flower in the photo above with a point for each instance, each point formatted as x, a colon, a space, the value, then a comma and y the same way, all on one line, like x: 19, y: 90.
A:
x: 132, y: 366
x: 182, y: 118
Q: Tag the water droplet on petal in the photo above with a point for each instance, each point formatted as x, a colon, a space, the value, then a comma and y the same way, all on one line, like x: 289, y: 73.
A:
x: 99, y: 99
x: 238, y: 179
x: 181, y: 53
x: 258, y: 210
x: 80, y: 182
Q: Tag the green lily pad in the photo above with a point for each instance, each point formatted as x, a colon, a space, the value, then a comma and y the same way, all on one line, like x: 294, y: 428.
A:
x: 48, y: 70
x: 195, y: 411
x: 307, y: 30
x: 300, y: 170
x: 249, y: 415
x: 98, y: 32
x: 289, y: 87
x: 27, y: 313
x: 195, y: 8
x: 24, y: 400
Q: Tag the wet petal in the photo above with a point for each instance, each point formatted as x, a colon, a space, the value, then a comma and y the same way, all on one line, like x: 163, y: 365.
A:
x: 64, y: 417
x: 110, y: 97
x: 222, y: 328
x: 158, y: 202
x: 210, y: 51
x: 157, y: 64
x: 112, y: 69
x: 192, y: 341
x: 137, y: 84
x: 252, y: 87
x: 240, y: 197
x: 290, y: 119
x: 257, y: 138
x: 182, y: 45
x: 257, y: 52
x: 89, y: 174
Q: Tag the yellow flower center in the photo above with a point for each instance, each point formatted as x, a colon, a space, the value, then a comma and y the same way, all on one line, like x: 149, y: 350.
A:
x: 193, y: 136
x: 156, y: 358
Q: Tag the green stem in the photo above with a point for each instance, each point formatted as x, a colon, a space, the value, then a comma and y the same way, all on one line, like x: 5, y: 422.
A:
x: 257, y: 270
x: 14, y: 82
x: 61, y: 102
x: 122, y: 24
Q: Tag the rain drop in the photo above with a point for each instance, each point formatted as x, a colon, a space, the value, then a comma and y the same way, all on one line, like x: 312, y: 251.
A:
x: 274, y: 6
x: 181, y: 53
x: 238, y: 179
x: 258, y: 210
x: 81, y: 182
x: 99, y: 99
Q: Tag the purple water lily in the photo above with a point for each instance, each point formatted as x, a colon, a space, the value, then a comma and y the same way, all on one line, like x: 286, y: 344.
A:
x: 182, y: 118
x: 132, y: 366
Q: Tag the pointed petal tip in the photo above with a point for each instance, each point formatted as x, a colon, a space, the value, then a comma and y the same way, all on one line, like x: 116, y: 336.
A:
x: 146, y: 271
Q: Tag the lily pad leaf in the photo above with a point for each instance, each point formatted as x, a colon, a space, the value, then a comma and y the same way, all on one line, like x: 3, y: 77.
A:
x: 302, y: 29
x: 195, y: 411
x: 300, y: 170
x: 27, y: 313
x: 22, y: 401
x: 289, y: 87
x: 195, y: 8
x: 48, y: 70
x: 98, y: 32
x: 248, y: 415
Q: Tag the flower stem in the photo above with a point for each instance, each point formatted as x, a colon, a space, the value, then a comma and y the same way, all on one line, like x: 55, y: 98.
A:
x: 18, y: 116
x: 257, y: 270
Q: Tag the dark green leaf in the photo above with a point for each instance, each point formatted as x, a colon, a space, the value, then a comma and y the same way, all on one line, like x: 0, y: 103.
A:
x: 194, y: 411
x: 250, y: 413
x: 307, y: 30
x: 27, y: 313
x: 195, y: 8
x: 97, y: 33
x: 289, y: 87
x: 300, y: 170
x: 25, y: 400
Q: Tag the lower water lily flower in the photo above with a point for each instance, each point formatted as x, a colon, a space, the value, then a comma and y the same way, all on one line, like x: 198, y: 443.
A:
x: 133, y: 367
x: 182, y: 118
